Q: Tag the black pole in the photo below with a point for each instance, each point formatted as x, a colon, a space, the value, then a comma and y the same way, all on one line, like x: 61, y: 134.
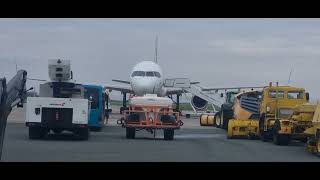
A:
x: 3, y: 112
x: 178, y: 103
x: 124, y: 101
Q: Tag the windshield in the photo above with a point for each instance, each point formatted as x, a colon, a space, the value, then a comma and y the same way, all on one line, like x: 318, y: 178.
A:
x: 231, y: 98
x: 272, y: 94
x: 148, y: 74
x: 295, y: 95
x: 138, y: 73
x: 94, y: 93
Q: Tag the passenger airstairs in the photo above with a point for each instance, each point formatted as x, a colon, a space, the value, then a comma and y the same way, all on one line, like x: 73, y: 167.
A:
x: 187, y: 87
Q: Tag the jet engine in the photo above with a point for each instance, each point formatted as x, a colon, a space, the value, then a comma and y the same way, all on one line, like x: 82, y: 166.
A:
x: 199, y: 103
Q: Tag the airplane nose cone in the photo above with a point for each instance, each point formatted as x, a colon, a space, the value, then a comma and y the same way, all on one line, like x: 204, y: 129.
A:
x: 144, y: 86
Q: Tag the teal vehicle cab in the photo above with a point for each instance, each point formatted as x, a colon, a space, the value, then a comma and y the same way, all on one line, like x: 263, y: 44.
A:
x: 97, y: 96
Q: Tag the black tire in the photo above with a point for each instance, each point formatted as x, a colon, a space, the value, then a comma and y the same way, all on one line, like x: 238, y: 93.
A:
x: 130, y: 133
x: 188, y: 116
x: 217, y: 117
x: 224, y: 120
x: 264, y: 136
x: 168, y: 119
x: 37, y: 132
x: 281, y: 139
x: 168, y: 134
x: 82, y: 133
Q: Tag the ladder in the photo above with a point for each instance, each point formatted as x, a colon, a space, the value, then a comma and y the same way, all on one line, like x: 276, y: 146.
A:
x: 188, y: 87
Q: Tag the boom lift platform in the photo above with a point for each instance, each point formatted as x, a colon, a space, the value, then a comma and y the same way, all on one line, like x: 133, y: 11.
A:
x: 12, y: 94
x: 61, y: 106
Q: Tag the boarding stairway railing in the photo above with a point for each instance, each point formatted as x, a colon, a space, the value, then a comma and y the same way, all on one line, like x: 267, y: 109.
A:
x: 187, y: 87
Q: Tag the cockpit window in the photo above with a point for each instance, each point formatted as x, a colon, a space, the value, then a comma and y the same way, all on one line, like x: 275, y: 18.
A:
x: 157, y: 74
x: 150, y: 74
x: 138, y: 73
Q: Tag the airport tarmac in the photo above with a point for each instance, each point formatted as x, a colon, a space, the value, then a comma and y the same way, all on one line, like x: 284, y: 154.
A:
x: 192, y: 143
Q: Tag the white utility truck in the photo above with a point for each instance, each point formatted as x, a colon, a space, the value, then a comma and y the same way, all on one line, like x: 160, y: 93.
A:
x: 61, y: 105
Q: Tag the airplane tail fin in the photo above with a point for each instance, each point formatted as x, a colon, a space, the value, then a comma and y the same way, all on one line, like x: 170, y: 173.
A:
x: 156, y: 51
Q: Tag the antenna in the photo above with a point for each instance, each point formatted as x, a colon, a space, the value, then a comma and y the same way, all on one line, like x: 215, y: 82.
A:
x: 156, y: 50
x: 290, y: 76
x: 16, y: 64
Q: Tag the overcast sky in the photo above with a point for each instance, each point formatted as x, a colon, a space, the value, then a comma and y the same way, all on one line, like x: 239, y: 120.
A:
x: 216, y: 52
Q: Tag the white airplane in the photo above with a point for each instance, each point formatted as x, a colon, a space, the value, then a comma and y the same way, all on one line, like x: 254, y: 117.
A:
x: 147, y: 78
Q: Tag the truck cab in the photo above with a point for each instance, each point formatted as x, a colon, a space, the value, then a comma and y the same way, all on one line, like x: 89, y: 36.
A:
x: 96, y: 95
x: 225, y: 113
x: 277, y: 106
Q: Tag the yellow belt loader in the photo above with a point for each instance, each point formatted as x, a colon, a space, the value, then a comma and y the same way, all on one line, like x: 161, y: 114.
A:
x: 246, y: 116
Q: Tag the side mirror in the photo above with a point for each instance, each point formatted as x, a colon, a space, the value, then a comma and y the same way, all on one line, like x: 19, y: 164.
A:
x: 221, y: 95
x: 71, y: 75
x: 307, y: 96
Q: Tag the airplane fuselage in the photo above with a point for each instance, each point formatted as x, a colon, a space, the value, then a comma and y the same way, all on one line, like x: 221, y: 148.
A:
x: 147, y: 78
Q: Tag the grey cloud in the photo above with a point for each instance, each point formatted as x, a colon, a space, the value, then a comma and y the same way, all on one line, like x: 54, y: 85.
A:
x: 217, y: 52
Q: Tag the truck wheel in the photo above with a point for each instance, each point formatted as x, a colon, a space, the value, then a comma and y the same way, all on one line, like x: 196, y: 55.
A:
x: 281, y: 139
x: 130, y: 133
x: 317, y: 149
x: 37, y: 132
x: 168, y: 134
x: 217, y: 119
x: 224, y: 120
x: 263, y: 136
x: 83, y: 133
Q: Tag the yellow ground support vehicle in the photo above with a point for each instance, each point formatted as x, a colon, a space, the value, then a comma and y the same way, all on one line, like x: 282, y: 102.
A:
x: 277, y: 118
x: 269, y: 114
x: 313, y: 133
x: 245, y: 122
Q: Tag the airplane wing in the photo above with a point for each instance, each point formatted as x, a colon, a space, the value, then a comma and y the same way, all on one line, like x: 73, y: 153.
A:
x: 121, y: 81
x: 124, y: 89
